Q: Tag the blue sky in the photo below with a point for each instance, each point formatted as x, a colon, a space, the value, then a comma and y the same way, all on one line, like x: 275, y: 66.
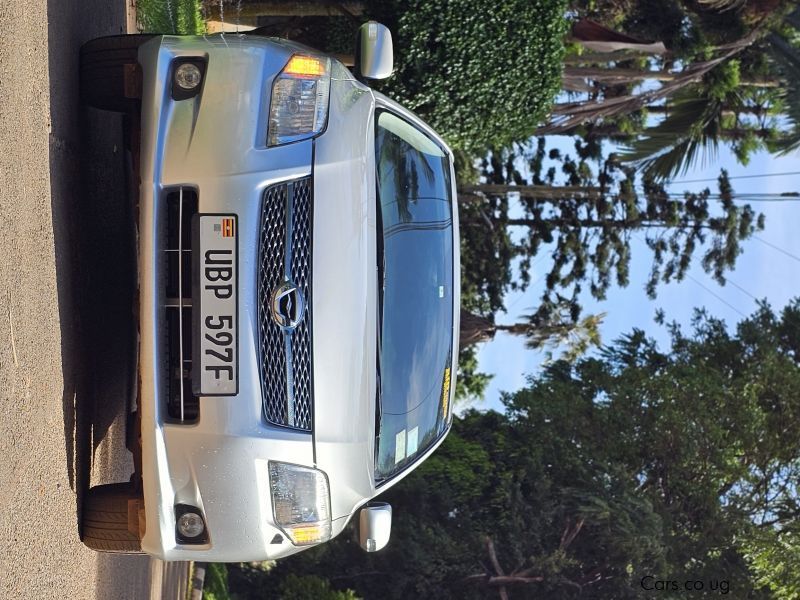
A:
x: 761, y: 271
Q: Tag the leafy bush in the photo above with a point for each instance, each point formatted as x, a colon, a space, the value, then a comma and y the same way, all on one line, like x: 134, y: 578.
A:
x: 177, y: 16
x: 482, y: 73
x: 215, y: 586
x: 309, y: 587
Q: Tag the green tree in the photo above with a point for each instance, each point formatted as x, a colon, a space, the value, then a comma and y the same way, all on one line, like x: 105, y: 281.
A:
x: 553, y: 523
x: 309, y: 587
x: 482, y: 73
x: 470, y: 382
x: 588, y: 226
x: 587, y: 223
x: 774, y: 557
x: 181, y: 17
x: 679, y: 463
x: 215, y: 583
x: 724, y: 108
x: 710, y: 431
x: 787, y: 60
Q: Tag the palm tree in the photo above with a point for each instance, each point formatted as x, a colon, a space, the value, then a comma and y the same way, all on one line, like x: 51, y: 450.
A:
x: 555, y: 331
x: 566, y: 117
x: 787, y: 58
x: 700, y: 117
x: 690, y: 131
x: 693, y: 128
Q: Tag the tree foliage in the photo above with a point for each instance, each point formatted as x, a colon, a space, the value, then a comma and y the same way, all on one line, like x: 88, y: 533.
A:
x: 181, y: 17
x: 723, y: 80
x: 481, y: 73
x: 585, y: 212
x: 682, y: 464
x: 309, y: 587
x: 774, y: 558
x: 588, y: 226
x: 470, y: 382
x: 215, y: 584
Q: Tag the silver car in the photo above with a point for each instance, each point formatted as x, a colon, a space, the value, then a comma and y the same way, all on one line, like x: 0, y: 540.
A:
x: 298, y: 294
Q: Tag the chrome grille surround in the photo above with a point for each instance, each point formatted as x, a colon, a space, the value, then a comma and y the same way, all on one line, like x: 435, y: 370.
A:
x: 285, y: 256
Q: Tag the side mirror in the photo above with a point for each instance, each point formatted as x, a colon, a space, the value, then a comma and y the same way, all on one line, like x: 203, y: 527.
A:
x: 374, y: 53
x: 374, y: 526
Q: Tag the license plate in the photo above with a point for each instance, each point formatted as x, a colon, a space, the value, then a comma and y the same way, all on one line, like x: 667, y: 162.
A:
x: 215, y: 371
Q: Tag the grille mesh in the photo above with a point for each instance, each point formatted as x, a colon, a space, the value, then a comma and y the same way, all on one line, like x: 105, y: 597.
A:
x: 280, y: 384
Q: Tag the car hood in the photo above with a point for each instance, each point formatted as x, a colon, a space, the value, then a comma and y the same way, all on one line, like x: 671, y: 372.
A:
x: 344, y: 296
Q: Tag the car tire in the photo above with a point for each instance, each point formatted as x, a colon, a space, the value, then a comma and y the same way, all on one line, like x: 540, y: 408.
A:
x: 105, y: 519
x: 104, y: 63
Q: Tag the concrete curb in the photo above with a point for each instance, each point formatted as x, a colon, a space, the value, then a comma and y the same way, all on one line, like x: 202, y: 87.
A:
x: 169, y: 580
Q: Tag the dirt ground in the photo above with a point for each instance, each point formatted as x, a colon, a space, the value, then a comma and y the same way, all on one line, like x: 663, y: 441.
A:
x: 67, y: 278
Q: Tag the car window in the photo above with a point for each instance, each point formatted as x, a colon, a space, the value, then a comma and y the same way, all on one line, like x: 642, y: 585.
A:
x: 415, y: 353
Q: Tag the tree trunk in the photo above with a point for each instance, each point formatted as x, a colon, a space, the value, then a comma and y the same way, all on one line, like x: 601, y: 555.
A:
x: 568, y: 223
x: 602, y: 58
x: 665, y: 109
x: 572, y: 84
x: 611, y: 224
x: 597, y: 37
x: 618, y: 75
x: 738, y: 133
x: 761, y: 82
x: 534, y: 192
x: 609, y: 131
x: 515, y: 329
x: 475, y: 329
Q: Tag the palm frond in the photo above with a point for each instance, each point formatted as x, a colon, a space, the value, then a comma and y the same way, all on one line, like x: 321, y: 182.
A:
x: 722, y: 5
x: 690, y: 132
x: 680, y: 158
x: 787, y: 59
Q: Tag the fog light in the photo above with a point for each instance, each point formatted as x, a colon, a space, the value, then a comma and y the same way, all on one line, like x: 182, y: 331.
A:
x: 188, y: 76
x: 190, y: 525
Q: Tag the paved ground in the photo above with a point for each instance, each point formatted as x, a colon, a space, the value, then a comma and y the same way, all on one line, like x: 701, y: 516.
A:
x: 66, y: 285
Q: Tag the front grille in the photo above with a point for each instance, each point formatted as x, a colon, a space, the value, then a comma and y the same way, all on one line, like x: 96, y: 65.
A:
x: 181, y: 206
x: 285, y: 256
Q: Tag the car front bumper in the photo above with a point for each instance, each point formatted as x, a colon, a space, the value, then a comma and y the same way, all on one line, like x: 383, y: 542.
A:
x: 215, y: 145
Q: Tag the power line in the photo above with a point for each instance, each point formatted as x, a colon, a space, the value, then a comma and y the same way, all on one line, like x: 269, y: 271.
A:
x: 740, y: 288
x: 717, y: 296
x: 709, y: 290
x: 738, y: 177
x: 778, y: 248
x: 788, y: 197
x: 538, y: 261
x: 761, y: 197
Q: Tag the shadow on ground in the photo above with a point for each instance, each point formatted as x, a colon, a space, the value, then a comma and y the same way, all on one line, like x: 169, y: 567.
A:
x: 94, y: 241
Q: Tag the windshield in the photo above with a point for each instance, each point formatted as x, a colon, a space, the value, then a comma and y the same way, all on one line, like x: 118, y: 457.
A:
x: 415, y: 262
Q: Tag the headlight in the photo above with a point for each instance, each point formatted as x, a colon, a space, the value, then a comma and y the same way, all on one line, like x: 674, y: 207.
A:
x: 299, y: 105
x: 301, y: 503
